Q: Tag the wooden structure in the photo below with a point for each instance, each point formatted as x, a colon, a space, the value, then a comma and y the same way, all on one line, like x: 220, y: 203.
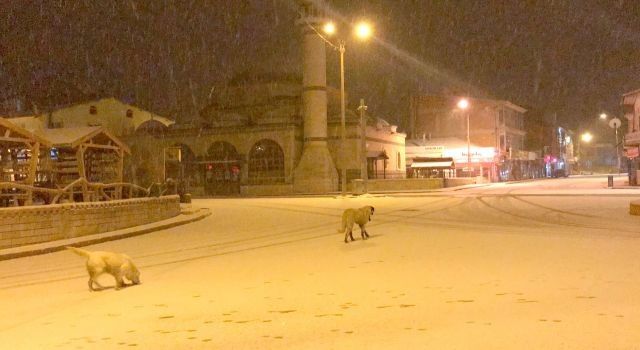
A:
x: 23, y: 156
x: 88, y: 154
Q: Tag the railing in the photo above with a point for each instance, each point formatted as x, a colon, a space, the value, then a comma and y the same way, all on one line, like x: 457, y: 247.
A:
x: 79, y: 190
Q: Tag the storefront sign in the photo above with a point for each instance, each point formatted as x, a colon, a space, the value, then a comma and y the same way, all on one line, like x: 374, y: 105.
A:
x: 631, y: 152
x: 478, y: 154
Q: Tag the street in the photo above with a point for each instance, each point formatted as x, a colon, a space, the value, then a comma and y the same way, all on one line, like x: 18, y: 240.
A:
x: 529, y: 265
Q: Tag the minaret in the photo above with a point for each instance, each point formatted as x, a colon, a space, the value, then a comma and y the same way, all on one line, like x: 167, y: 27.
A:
x: 316, y: 172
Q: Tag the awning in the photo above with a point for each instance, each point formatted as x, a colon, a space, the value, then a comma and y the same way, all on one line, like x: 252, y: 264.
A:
x: 433, y: 165
x: 377, y: 155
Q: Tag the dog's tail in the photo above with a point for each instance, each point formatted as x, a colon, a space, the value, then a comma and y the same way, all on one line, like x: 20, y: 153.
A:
x: 343, y: 227
x: 79, y: 251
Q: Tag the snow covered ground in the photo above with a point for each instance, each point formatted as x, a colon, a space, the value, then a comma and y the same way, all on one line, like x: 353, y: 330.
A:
x: 532, y: 265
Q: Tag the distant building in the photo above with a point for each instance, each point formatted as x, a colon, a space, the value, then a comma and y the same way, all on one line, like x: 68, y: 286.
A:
x: 552, y: 143
x: 494, y: 124
x: 118, y: 118
x: 631, y: 109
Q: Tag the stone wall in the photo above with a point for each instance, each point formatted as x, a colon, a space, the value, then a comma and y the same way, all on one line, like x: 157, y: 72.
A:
x: 266, y: 190
x: 397, y: 185
x: 461, y: 181
x: 35, y: 224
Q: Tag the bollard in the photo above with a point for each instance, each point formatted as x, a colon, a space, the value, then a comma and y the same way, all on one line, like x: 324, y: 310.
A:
x: 610, y: 181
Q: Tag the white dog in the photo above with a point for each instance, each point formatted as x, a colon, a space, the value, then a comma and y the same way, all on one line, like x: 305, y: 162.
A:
x: 115, y: 264
x: 358, y: 216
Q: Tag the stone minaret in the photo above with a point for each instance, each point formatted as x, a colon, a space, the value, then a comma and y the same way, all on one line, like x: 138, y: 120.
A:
x: 316, y: 172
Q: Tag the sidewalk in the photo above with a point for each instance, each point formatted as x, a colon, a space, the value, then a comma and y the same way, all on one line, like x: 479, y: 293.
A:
x: 187, y: 215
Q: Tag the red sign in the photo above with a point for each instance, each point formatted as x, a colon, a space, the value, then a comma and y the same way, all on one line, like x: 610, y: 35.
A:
x: 631, y: 152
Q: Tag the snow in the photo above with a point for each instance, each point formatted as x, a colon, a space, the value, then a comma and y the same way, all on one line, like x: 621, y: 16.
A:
x: 545, y: 264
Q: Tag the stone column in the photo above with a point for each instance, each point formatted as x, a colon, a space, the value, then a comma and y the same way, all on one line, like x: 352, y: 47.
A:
x: 316, y: 172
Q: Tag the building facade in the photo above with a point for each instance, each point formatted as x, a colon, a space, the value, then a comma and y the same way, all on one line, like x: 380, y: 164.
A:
x: 631, y: 109
x: 494, y: 124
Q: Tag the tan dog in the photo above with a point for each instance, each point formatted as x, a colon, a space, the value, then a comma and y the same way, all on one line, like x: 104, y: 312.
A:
x: 358, y: 216
x: 115, y: 264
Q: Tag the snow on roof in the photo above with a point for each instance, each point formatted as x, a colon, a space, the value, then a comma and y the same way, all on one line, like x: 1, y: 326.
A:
x: 139, y: 115
x: 71, y: 137
x: 27, y: 134
x: 64, y: 136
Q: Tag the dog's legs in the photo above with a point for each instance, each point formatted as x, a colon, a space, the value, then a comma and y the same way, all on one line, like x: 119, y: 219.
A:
x: 363, y: 232
x: 346, y: 234
x: 119, y: 281
x: 92, y: 281
x: 93, y: 278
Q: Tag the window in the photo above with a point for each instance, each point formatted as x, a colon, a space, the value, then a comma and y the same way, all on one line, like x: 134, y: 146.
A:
x: 399, y: 161
x: 129, y: 113
x: 93, y: 110
x: 266, y: 163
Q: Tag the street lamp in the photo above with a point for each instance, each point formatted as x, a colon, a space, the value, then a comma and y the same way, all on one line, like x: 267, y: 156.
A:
x: 463, y: 104
x: 615, y: 124
x: 363, y: 31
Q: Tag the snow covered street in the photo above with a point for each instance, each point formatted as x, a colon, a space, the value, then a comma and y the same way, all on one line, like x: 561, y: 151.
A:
x: 546, y: 264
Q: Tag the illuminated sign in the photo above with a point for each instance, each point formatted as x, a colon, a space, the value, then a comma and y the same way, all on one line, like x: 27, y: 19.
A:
x: 478, y: 154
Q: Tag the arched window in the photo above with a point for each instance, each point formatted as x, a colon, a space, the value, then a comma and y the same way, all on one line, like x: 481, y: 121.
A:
x: 221, y: 150
x: 266, y: 163
x: 151, y: 127
x: 222, y: 169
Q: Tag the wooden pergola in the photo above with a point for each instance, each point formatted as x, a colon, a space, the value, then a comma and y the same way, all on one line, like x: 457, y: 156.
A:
x: 22, y: 155
x: 88, y: 153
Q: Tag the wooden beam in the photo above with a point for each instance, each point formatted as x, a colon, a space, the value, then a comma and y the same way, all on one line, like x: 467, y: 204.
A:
x: 81, y: 172
x: 33, y: 167
x: 7, y: 132
x: 120, y: 169
x: 14, y: 139
x: 93, y: 145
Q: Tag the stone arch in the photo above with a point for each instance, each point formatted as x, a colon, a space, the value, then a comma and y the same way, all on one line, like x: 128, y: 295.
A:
x: 222, y: 169
x: 151, y: 127
x: 266, y: 163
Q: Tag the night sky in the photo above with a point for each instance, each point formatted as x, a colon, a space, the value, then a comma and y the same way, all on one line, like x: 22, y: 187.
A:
x: 573, y: 58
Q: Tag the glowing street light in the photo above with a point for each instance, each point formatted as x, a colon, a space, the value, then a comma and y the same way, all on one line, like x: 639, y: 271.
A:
x: 603, y: 116
x: 329, y: 28
x: 463, y: 104
x: 586, y: 137
x: 362, y: 31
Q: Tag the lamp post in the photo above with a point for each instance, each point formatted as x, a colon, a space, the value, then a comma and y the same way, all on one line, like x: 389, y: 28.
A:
x: 363, y: 31
x: 614, y: 123
x: 363, y: 146
x: 463, y: 104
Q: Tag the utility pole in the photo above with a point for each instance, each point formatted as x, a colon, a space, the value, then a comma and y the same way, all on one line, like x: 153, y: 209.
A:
x: 343, y: 172
x: 363, y: 136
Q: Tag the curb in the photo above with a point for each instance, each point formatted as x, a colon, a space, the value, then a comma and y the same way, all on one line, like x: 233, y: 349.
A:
x: 53, y: 246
